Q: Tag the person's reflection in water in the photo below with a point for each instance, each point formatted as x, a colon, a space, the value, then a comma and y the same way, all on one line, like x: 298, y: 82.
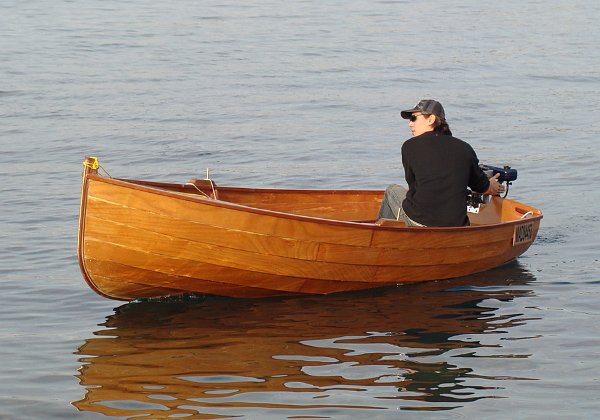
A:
x: 396, y: 348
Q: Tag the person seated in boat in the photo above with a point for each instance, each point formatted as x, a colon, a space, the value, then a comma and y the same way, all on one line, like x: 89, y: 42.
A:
x: 438, y: 169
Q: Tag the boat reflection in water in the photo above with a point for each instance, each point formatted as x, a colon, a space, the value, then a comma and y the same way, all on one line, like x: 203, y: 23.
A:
x: 350, y: 355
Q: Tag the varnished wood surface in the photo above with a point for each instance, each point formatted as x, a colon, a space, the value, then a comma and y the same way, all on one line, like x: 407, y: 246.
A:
x: 147, y: 239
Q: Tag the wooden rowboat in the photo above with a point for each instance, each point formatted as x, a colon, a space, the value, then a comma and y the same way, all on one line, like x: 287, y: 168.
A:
x: 141, y: 239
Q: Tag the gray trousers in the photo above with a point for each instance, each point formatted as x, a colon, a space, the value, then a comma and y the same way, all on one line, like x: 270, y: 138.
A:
x: 391, y: 206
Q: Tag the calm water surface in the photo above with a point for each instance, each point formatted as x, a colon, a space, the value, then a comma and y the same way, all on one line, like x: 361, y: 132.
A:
x: 298, y: 94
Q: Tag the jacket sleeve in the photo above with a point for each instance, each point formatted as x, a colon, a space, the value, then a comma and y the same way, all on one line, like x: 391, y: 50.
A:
x: 478, y: 180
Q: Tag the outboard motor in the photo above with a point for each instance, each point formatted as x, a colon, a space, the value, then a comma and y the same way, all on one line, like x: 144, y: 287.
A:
x: 507, y: 174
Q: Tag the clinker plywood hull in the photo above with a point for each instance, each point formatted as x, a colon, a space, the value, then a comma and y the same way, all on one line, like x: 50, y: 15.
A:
x: 141, y: 240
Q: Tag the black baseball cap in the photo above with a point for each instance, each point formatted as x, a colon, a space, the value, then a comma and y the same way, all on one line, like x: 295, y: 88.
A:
x: 426, y: 106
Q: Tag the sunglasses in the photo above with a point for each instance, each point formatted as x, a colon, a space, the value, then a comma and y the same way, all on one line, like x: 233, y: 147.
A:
x: 413, y: 117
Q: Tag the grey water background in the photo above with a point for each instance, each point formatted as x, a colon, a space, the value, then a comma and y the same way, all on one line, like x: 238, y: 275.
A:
x: 300, y: 94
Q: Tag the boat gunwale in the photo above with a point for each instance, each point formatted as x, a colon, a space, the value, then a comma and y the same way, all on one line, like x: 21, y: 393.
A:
x: 160, y: 188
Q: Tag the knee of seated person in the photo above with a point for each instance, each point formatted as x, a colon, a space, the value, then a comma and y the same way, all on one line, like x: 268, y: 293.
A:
x: 392, y: 187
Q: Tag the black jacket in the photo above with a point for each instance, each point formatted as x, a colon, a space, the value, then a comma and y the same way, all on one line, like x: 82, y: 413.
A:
x: 438, y: 169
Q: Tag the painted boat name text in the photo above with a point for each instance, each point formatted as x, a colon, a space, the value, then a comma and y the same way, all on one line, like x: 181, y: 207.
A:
x: 523, y: 234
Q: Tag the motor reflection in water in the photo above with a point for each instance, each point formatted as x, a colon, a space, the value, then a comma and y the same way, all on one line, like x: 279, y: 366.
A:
x: 351, y: 355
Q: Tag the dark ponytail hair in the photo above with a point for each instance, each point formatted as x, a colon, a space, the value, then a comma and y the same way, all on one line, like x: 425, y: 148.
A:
x: 441, y: 126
